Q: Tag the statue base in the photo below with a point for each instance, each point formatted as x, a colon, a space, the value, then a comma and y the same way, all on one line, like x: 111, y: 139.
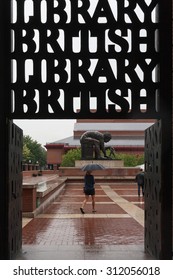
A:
x: 106, y: 163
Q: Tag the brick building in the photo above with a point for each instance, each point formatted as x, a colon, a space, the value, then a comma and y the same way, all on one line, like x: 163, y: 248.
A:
x: 127, y: 137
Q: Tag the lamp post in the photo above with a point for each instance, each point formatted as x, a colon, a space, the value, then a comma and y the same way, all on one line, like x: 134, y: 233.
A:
x: 29, y: 164
x: 37, y: 165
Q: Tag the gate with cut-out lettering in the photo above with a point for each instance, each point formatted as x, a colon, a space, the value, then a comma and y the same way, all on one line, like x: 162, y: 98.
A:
x: 71, y: 59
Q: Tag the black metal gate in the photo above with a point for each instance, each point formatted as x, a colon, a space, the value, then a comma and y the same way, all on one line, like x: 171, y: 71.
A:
x: 15, y: 190
x: 144, y: 46
x: 11, y: 191
x: 157, y: 193
x: 153, y: 188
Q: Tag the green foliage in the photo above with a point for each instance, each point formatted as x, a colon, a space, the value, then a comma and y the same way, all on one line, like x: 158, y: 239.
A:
x: 33, y: 151
x: 70, y: 157
x: 26, y: 152
x: 131, y: 160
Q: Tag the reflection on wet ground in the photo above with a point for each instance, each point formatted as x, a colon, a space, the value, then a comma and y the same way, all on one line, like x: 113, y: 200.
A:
x: 115, y: 231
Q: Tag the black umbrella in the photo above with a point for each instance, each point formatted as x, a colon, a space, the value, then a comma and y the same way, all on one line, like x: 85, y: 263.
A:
x: 92, y: 166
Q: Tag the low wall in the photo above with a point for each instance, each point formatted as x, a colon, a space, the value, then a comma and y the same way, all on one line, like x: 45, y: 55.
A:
x: 105, y: 163
x: 108, y: 172
x: 36, y: 172
x: 37, y: 196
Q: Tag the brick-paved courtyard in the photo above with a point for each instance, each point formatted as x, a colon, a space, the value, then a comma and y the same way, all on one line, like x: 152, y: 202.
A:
x: 115, y: 231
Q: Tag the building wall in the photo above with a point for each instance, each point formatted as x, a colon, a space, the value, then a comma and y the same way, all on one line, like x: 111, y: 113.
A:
x: 114, y: 133
x: 116, y: 120
x: 54, y: 155
x: 130, y: 129
x: 122, y: 127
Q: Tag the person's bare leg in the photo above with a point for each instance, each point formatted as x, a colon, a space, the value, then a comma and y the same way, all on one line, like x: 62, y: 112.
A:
x: 93, y: 203
x: 84, y: 203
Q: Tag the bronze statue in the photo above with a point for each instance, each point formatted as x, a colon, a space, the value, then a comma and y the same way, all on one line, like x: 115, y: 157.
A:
x: 111, y: 151
x: 93, y: 141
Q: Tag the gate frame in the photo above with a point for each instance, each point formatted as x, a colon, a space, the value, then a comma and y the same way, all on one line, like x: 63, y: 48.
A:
x: 165, y: 18
x: 5, y: 80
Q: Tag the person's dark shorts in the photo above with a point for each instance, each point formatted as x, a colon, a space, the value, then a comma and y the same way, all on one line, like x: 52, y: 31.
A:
x: 89, y: 192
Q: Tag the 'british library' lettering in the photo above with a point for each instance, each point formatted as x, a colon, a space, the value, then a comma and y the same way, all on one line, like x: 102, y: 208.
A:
x: 75, y: 59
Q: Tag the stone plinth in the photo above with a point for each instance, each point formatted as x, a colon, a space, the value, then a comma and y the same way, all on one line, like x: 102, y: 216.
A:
x: 117, y: 172
x: 105, y: 163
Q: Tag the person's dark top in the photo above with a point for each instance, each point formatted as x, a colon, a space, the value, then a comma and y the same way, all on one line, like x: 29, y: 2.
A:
x: 140, y: 178
x: 89, y: 181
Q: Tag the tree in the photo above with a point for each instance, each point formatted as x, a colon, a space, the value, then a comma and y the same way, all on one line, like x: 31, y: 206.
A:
x: 26, y: 152
x: 131, y: 160
x: 33, y: 151
x: 70, y: 157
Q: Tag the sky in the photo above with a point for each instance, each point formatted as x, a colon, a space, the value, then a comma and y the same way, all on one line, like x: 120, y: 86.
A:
x: 46, y: 131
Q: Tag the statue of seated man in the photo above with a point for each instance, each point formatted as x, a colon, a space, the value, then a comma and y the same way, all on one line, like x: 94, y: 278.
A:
x: 96, y: 139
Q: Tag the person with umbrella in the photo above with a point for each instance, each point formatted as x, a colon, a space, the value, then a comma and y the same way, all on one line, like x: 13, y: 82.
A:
x: 88, y: 190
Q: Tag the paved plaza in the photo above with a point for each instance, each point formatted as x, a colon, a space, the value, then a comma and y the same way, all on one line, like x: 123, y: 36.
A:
x: 115, y: 231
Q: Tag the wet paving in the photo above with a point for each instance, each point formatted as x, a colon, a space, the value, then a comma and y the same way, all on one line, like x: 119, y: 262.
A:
x: 115, y: 231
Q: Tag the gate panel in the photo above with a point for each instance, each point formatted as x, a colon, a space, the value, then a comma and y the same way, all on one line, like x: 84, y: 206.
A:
x: 153, y: 189
x: 118, y: 83
x: 15, y: 190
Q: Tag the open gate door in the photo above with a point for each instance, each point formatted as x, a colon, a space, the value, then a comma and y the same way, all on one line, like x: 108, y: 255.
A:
x: 15, y: 190
x: 157, y: 194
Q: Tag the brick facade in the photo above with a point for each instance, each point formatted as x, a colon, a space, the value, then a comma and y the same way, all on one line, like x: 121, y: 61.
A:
x: 121, y: 129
